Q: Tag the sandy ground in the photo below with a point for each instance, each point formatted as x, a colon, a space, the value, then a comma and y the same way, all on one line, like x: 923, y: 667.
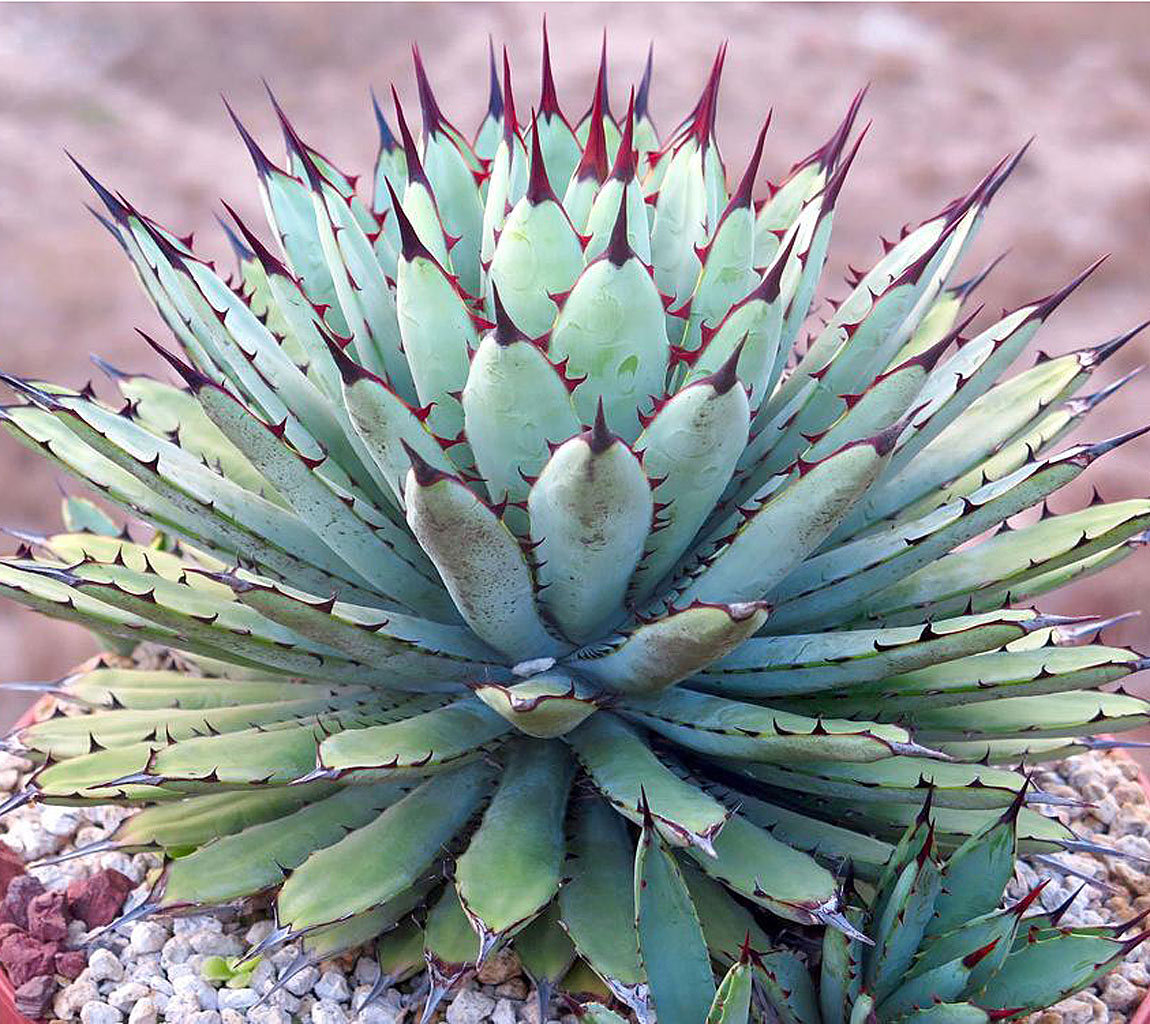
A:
x: 133, y: 91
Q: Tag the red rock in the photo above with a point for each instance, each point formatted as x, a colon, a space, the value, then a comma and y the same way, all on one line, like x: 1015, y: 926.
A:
x: 71, y: 962
x: 47, y: 917
x: 97, y: 900
x: 10, y: 867
x: 34, y: 997
x: 24, y: 957
x: 8, y: 928
x: 21, y: 891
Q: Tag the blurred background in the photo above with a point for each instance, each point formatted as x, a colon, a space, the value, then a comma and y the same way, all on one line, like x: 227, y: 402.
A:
x: 133, y: 91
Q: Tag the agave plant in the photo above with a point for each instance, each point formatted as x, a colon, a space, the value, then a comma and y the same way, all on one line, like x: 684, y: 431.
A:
x: 934, y: 946
x: 503, y: 513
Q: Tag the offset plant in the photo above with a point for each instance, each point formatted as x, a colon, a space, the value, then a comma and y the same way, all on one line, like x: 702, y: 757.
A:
x: 944, y: 949
x: 505, y: 513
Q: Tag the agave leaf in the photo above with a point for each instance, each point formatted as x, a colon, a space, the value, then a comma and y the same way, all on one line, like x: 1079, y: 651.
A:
x: 995, y: 930
x: 488, y: 577
x: 841, y: 970
x: 734, y: 729
x: 611, y: 330
x: 262, y: 855
x: 366, y: 300
x: 786, y: 526
x: 597, y: 905
x: 509, y: 437
x: 1029, y: 551
x: 450, y: 946
x: 545, y: 951
x: 274, y: 754
x: 164, y: 409
x: 988, y: 676
x: 830, y: 844
x: 729, y: 929
x: 520, y: 837
x: 941, y: 984
x: 31, y: 585
x: 399, y: 953
x: 194, y: 821
x: 179, y: 492
x: 851, y: 351
x: 389, y: 557
x: 1005, y: 411
x: 591, y: 510
x: 560, y: 147
x: 321, y: 429
x: 438, y: 331
x: 671, y: 944
x: 824, y: 588
x: 631, y: 777
x: 1036, y: 832
x: 537, y: 255
x: 1048, y: 970
x: 69, y: 737
x: 732, y: 1004
x: 405, y: 651
x: 450, y: 166
x: 949, y: 1013
x: 726, y: 273
x: 900, y: 921
x: 690, y: 447
x: 545, y: 705
x: 657, y: 654
x: 786, y: 881
x: 328, y: 943
x: 895, y: 779
x: 802, y: 663
x: 1069, y: 713
x: 205, y: 625
x: 382, y: 859
x: 424, y: 743
x: 957, y: 382
x: 751, y: 326
x: 507, y: 182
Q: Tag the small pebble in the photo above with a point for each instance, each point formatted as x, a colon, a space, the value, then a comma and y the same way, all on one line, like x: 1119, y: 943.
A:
x: 125, y: 996
x: 144, y: 1012
x: 258, y: 932
x: 470, y: 1007
x: 302, y: 983
x: 175, y: 951
x: 72, y: 997
x: 60, y: 821
x: 192, y: 986
x: 236, y: 998
x: 332, y: 986
x: 499, y: 967
x: 103, y: 965
x: 96, y: 1012
x: 378, y: 1013
x: 148, y: 937
x: 1119, y: 994
x: 204, y: 1017
x: 328, y: 1012
x: 504, y: 1012
x: 366, y: 970
x: 215, y: 943
x: 231, y: 1017
x: 268, y: 1015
